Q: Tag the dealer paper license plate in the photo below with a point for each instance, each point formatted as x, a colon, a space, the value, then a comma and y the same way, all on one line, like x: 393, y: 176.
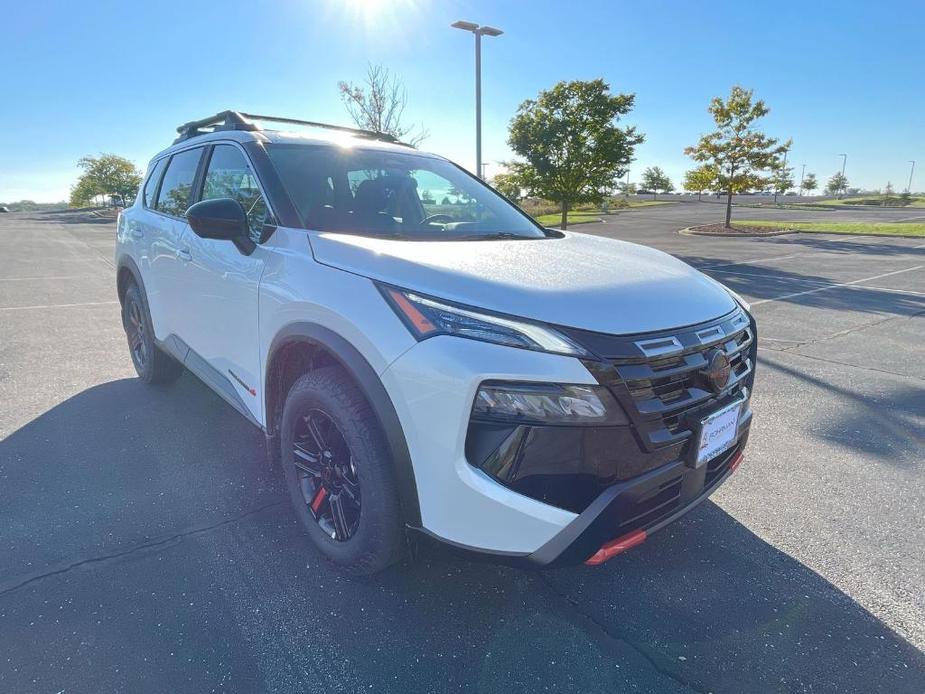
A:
x: 718, y: 432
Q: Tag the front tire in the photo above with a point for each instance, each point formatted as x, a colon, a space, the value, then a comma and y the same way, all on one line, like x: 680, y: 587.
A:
x: 339, y: 473
x: 151, y: 363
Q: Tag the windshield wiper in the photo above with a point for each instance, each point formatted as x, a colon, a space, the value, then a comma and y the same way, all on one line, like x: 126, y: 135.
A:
x: 502, y: 235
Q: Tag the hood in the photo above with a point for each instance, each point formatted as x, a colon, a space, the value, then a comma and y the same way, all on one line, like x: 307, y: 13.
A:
x: 579, y: 281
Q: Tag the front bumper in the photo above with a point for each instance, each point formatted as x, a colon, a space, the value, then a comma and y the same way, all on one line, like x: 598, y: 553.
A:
x: 621, y: 516
x: 642, y: 505
x: 637, y: 485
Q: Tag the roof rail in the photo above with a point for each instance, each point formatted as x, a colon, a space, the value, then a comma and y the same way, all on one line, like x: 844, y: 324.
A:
x: 235, y: 120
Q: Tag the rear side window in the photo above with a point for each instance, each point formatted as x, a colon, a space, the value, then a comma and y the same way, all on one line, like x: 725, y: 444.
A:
x: 174, y: 198
x: 151, y: 184
x: 229, y: 176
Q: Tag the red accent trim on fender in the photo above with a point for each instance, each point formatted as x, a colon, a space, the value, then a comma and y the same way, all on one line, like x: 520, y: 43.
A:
x: 618, y: 546
x: 736, y: 461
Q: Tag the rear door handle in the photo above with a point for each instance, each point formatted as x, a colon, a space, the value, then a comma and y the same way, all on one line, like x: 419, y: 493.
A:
x: 184, y: 254
x: 137, y: 233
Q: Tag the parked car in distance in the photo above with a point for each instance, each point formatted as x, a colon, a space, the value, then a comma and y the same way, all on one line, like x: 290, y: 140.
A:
x: 427, y: 373
x: 4, y: 208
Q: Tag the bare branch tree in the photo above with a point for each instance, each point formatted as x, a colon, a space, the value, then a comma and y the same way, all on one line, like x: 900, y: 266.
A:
x: 379, y: 103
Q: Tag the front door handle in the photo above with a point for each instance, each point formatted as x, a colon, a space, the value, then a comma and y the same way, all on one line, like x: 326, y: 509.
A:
x: 184, y: 255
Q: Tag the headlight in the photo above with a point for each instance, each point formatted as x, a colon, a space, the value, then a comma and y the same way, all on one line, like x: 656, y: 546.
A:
x: 426, y: 317
x: 546, y: 403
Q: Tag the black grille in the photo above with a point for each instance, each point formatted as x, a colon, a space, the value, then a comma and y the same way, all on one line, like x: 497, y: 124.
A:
x: 657, y: 376
x: 661, y: 502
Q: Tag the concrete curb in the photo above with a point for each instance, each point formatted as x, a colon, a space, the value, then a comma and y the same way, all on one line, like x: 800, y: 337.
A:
x: 693, y: 231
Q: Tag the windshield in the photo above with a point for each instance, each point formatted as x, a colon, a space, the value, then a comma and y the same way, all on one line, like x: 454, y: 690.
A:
x: 393, y: 194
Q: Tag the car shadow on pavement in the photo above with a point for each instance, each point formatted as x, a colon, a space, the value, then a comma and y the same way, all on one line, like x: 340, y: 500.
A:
x: 788, y: 287
x: 706, y: 605
x: 206, y: 558
x: 864, y: 245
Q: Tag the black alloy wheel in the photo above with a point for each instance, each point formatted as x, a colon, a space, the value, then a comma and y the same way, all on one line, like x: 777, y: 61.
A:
x: 135, y: 332
x: 152, y: 364
x: 327, y: 475
x: 331, y: 447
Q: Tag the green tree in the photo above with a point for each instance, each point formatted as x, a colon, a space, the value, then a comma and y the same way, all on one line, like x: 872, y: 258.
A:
x: 378, y: 104
x: 738, y: 150
x: 507, y: 185
x: 107, y: 174
x: 837, y: 184
x: 572, y: 146
x: 781, y: 179
x: 700, y: 179
x: 626, y: 188
x: 809, y: 183
x: 655, y: 179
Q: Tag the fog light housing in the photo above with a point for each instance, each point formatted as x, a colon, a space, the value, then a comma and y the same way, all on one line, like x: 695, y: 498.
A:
x: 546, y: 404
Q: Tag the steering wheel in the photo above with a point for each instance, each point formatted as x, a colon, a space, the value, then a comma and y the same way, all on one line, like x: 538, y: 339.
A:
x: 437, y: 219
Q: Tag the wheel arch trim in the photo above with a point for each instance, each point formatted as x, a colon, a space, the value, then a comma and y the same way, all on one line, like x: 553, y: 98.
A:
x: 126, y: 262
x: 369, y: 383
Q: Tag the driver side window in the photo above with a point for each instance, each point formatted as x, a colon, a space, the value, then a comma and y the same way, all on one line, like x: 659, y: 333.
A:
x: 229, y: 176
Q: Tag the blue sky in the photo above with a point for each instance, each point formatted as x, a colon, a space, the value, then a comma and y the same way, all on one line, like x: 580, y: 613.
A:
x: 90, y: 77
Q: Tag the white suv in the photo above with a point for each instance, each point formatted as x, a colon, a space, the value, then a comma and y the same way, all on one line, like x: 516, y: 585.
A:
x: 429, y: 364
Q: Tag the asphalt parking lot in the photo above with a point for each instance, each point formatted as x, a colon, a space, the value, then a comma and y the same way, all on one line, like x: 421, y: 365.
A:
x: 147, y: 546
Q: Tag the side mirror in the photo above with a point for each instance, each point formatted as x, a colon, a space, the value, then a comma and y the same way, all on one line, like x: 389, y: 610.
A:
x: 222, y: 219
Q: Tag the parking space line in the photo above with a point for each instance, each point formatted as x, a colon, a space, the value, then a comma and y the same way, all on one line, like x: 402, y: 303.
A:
x: 47, y: 306
x: 38, y: 279
x: 775, y: 277
x: 835, y: 286
x: 749, y: 262
x: 891, y: 290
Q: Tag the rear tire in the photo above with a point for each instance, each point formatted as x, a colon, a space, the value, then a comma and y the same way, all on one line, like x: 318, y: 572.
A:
x: 339, y: 473
x: 151, y: 363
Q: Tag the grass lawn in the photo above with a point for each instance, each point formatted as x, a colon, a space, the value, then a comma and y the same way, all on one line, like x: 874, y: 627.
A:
x: 584, y: 216
x: 887, y: 228
x: 646, y: 203
x: 917, y: 201
x: 555, y: 219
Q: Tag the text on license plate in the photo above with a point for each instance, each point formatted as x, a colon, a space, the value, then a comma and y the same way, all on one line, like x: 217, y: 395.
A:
x: 718, y: 432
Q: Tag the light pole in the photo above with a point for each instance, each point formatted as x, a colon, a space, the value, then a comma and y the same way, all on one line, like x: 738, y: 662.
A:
x: 911, y: 171
x: 802, y: 176
x: 843, y: 162
x: 479, y: 32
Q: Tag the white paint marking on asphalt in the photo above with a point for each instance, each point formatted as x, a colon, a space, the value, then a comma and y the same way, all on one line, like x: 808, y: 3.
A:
x: 835, y: 286
x: 775, y: 277
x: 891, y: 290
x: 46, y: 306
x: 37, y: 279
x: 749, y: 262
